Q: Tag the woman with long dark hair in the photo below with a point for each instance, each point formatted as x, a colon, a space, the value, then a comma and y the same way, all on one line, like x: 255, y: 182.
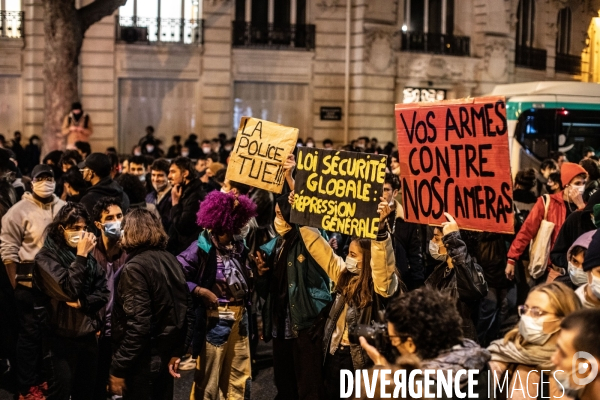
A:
x: 73, y: 290
x: 363, y: 282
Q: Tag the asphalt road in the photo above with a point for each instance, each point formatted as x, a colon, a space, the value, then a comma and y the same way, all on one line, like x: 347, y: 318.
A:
x: 262, y: 386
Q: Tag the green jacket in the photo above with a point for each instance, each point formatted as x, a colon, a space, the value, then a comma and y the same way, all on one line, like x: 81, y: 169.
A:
x: 308, y: 285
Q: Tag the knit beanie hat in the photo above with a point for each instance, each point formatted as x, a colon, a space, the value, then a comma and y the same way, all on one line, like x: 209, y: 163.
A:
x: 592, y: 256
x: 568, y: 171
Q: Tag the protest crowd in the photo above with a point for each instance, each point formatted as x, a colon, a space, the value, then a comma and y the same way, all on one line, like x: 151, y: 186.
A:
x: 122, y: 269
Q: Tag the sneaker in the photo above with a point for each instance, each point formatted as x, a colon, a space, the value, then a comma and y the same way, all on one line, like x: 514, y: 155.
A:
x: 34, y: 393
x: 188, y: 364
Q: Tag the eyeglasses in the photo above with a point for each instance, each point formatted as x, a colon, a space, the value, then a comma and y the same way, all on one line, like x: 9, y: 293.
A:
x: 534, y: 312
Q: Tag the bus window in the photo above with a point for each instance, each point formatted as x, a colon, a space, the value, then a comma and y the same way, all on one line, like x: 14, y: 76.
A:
x: 536, y: 132
x: 578, y: 129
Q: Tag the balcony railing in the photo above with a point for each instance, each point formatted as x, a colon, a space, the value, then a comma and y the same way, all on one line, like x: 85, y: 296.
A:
x: 248, y: 34
x: 159, y: 30
x: 11, y: 24
x: 435, y: 43
x: 531, y: 58
x: 568, y: 64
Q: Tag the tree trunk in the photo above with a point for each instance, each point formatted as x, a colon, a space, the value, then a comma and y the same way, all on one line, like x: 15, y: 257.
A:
x: 64, y: 27
x: 63, y: 39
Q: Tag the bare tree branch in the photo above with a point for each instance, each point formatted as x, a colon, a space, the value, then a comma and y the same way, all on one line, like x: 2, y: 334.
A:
x: 97, y: 10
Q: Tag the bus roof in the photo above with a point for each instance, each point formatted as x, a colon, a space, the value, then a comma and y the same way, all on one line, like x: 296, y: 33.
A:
x: 559, y: 88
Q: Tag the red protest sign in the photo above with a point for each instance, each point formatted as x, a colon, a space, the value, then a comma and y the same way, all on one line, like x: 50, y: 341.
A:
x: 454, y: 157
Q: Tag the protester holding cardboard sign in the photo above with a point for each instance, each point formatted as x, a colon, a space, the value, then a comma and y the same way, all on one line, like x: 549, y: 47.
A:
x: 454, y: 158
x: 363, y: 283
x: 339, y: 191
x: 260, y: 151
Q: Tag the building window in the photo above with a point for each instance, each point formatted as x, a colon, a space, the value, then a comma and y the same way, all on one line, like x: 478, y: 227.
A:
x: 160, y: 21
x: 563, y: 36
x: 272, y: 24
x: 526, y: 55
x: 429, y: 16
x: 565, y: 62
x: 429, y: 27
x: 11, y: 19
x: 525, y: 23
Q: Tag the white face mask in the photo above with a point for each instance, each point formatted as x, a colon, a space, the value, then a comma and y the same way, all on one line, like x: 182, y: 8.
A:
x: 595, y: 286
x: 310, y: 144
x: 577, y: 275
x: 185, y: 154
x: 243, y: 233
x: 434, y: 250
x: 206, y: 150
x: 580, y: 188
x: 564, y: 379
x: 137, y: 153
x: 44, y: 189
x: 352, y: 265
x: 223, y: 190
x: 160, y: 188
x: 73, y: 237
x: 533, y: 330
x: 149, y: 149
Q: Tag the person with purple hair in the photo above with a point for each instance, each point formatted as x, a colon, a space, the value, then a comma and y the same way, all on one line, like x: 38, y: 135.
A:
x: 219, y: 277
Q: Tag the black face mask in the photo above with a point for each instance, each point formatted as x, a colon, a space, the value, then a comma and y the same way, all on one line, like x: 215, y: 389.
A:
x: 549, y: 189
x: 78, y: 116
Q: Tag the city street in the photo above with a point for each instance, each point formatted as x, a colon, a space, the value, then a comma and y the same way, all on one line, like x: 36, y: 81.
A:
x: 262, y: 387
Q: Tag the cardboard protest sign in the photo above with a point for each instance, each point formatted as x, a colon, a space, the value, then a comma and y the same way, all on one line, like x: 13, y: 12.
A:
x: 454, y: 157
x: 338, y: 191
x: 261, y: 148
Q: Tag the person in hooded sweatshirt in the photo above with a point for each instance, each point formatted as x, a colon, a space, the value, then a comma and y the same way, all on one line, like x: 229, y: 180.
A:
x: 589, y: 293
x: 96, y: 170
x: 20, y: 240
x: 576, y: 276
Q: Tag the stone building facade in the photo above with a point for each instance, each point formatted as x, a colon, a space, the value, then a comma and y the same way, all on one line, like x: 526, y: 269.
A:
x: 333, y: 68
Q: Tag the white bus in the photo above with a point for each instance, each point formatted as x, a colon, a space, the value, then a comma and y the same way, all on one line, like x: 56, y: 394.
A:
x: 550, y: 116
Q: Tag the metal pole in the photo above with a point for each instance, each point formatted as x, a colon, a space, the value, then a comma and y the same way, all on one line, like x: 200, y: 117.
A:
x: 347, y: 72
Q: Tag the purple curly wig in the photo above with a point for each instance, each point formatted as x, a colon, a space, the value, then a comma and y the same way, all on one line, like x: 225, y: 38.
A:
x: 224, y: 213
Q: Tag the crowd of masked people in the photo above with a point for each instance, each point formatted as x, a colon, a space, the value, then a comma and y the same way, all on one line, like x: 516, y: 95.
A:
x: 120, y: 271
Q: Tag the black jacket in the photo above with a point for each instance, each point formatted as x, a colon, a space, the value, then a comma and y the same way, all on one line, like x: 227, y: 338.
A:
x: 576, y: 224
x: 152, y: 316
x: 470, y: 287
x: 164, y: 207
x: 489, y: 250
x: 60, y: 283
x: 105, y: 188
x: 184, y: 229
x: 407, y: 250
